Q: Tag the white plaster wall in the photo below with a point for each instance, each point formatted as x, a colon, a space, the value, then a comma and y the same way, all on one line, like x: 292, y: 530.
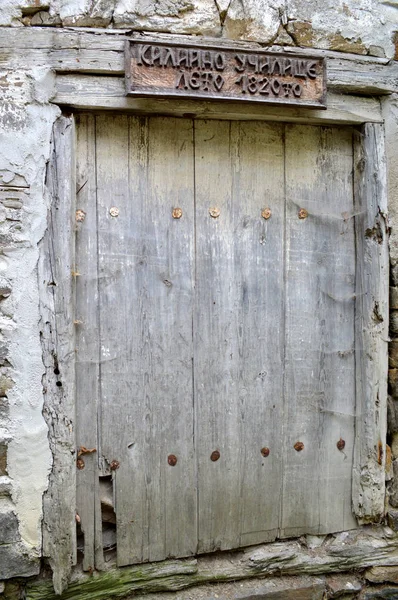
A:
x: 25, y: 128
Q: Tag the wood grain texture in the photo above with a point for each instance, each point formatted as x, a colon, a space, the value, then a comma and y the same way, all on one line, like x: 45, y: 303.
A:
x: 108, y: 93
x: 102, y: 51
x: 173, y: 69
x: 57, y: 259
x: 88, y: 382
x: 230, y: 333
x: 238, y: 330
x: 319, y: 392
x: 371, y: 323
x: 145, y: 169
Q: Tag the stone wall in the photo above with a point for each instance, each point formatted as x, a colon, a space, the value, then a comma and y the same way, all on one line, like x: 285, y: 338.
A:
x: 362, y: 27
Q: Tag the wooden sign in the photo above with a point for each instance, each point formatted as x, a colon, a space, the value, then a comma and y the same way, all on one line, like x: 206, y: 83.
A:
x: 174, y: 70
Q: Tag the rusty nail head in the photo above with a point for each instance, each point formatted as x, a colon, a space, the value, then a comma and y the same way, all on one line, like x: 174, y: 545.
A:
x: 215, y: 456
x: 214, y: 212
x: 340, y: 444
x: 177, y: 213
x: 303, y: 214
x: 172, y: 460
x: 80, y: 464
x: 265, y: 452
x: 298, y: 446
x: 266, y: 213
x: 80, y: 215
x: 114, y: 211
x: 115, y: 464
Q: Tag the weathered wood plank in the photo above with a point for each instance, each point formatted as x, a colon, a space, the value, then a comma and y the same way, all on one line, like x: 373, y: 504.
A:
x: 57, y: 259
x: 145, y: 169
x: 258, y: 178
x: 239, y: 334
x: 357, y: 550
x: 102, y: 51
x: 44, y: 38
x: 87, y: 345
x: 371, y: 323
x: 319, y: 355
x: 85, y: 60
x: 85, y: 91
x: 143, y: 357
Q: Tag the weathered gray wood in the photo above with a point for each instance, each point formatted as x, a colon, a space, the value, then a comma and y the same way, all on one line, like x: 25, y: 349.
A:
x: 87, y: 345
x: 238, y: 331
x: 102, y: 51
x: 356, y: 550
x: 87, y: 91
x: 371, y: 323
x: 319, y: 375
x: 145, y: 169
x: 56, y: 306
x: 143, y: 346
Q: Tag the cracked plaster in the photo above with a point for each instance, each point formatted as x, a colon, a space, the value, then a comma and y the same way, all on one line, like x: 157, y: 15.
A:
x: 25, y: 127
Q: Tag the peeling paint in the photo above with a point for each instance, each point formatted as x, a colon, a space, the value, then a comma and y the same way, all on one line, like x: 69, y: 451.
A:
x: 24, y: 143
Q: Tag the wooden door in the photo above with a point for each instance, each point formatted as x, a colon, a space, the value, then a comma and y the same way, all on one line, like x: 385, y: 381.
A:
x: 215, y: 347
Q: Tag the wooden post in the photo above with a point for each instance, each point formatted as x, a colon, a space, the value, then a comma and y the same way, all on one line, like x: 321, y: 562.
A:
x: 371, y: 323
x: 57, y: 263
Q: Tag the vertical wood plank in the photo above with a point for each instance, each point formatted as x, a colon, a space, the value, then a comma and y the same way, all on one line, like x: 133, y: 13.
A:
x: 56, y: 263
x: 168, y: 372
x: 320, y: 361
x: 238, y: 331
x: 87, y: 345
x: 371, y: 323
x: 145, y: 169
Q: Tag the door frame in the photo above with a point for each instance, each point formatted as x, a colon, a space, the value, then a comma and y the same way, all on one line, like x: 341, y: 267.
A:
x: 59, y: 271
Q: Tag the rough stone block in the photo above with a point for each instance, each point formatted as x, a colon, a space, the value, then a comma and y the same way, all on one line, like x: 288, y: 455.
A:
x: 5, y: 486
x: 393, y: 499
x: 9, y: 531
x: 44, y: 19
x: 314, y: 541
x: 382, y: 574
x: 16, y: 562
x: 395, y: 40
x: 2, y: 587
x: 394, y: 298
x: 4, y: 407
x: 394, y: 323
x: 3, y: 460
x: 393, y: 382
x: 390, y: 593
x: 179, y: 16
x: 6, y: 383
x: 288, y: 588
x: 392, y: 518
x: 392, y: 415
x: 256, y: 20
x: 394, y: 266
x: 343, y: 586
x: 394, y: 445
x: 393, y: 354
